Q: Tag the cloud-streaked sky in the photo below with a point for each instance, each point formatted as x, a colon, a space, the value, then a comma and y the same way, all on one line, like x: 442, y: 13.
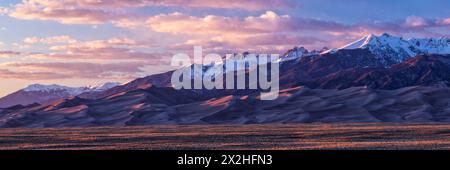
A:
x: 85, y: 42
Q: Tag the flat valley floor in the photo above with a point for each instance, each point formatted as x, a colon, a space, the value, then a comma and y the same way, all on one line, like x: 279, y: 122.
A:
x: 354, y: 136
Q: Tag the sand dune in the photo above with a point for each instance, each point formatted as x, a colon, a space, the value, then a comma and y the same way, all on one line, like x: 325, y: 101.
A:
x: 295, y: 105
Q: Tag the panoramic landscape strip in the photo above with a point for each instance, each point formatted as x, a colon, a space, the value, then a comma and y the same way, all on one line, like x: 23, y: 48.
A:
x: 224, y: 75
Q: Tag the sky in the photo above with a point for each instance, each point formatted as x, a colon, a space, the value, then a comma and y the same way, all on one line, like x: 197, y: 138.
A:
x: 88, y: 42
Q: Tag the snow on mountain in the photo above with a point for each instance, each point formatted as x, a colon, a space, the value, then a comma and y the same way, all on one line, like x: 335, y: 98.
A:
x: 432, y: 46
x: 38, y: 93
x: 211, y: 69
x: 103, y: 87
x: 53, y: 88
x: 391, y: 48
x: 71, y: 90
x: 296, y: 53
x: 293, y: 54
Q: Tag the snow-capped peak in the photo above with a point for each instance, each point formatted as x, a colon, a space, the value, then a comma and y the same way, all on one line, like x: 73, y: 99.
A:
x: 53, y: 88
x: 361, y: 43
x: 104, y: 86
x: 432, y: 45
x: 413, y: 46
x: 42, y: 87
x: 397, y: 49
x: 296, y: 53
x: 70, y: 90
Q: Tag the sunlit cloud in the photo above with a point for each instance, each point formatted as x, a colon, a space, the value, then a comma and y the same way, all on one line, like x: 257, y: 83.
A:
x: 3, y: 11
x: 116, y: 12
x: 9, y: 54
x: 118, y: 4
x: 250, y: 42
x: 414, y: 21
x: 99, y: 54
x: 250, y: 32
x: 269, y: 22
x: 445, y: 21
x: 68, y: 48
x: 8, y: 74
x: 61, y: 70
x: 67, y: 57
x: 64, y: 12
x: 50, y: 40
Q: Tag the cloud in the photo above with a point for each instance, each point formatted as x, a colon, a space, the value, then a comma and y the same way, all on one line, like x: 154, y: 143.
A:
x: 251, y: 42
x: 72, y: 70
x: 68, y: 48
x: 273, y: 31
x: 269, y: 22
x: 97, y: 44
x: 414, y: 21
x: 445, y: 21
x: 118, y: 11
x: 252, y: 32
x: 8, y: 74
x: 50, y: 40
x: 66, y: 12
x: 419, y: 26
x: 109, y: 53
x: 8, y: 54
x: 222, y: 4
x: 69, y: 58
x: 3, y: 11
x: 227, y: 4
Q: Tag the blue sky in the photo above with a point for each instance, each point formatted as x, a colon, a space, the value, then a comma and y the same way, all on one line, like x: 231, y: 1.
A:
x: 351, y: 11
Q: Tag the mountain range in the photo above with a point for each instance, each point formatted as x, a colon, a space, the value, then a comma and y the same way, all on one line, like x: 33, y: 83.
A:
x: 375, y: 79
x: 45, y: 94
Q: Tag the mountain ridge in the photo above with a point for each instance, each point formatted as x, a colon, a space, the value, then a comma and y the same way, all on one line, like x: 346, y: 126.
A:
x: 393, y: 50
x: 39, y: 93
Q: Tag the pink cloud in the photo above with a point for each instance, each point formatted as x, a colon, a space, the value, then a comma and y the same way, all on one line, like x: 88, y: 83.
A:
x: 8, y: 54
x: 269, y: 22
x: 100, y: 54
x: 252, y: 33
x: 68, y: 58
x: 116, y: 11
x: 227, y: 4
x: 419, y: 26
x: 72, y: 70
x: 251, y: 42
x: 50, y: 40
x: 414, y: 21
x: 445, y: 21
x: 222, y: 4
x: 68, y: 48
x: 8, y: 74
x: 97, y: 44
x: 66, y: 12
x: 3, y: 11
x: 114, y: 58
